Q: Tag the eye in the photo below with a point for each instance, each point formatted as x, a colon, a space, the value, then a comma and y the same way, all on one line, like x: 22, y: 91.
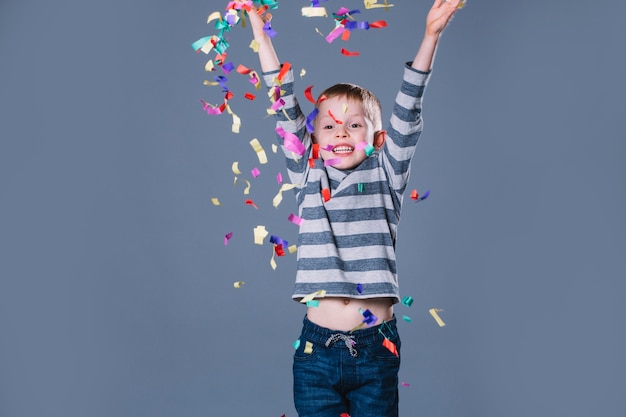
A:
x: 355, y: 125
x: 327, y: 127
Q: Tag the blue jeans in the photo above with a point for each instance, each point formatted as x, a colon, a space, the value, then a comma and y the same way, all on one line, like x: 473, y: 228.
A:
x: 346, y: 372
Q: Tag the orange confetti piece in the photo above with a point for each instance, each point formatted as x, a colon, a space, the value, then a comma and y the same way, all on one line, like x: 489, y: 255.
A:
x: 345, y: 35
x: 339, y: 122
x: 308, y: 94
x: 391, y: 346
x: 326, y: 194
x: 243, y: 70
x: 349, y: 53
x: 285, y: 68
x: 378, y: 24
x: 249, y: 96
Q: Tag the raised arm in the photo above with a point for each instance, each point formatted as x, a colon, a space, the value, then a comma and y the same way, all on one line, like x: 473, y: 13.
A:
x: 438, y: 17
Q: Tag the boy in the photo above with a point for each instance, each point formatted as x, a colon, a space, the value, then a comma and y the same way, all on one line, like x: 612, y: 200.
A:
x: 350, y: 201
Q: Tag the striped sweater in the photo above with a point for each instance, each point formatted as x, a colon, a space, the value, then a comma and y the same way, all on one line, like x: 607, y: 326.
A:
x: 350, y: 239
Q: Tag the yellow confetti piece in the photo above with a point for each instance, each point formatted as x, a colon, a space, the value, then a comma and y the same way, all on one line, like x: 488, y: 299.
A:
x: 345, y: 108
x: 254, y: 45
x: 216, y: 201
x: 320, y: 293
x: 260, y: 233
x: 373, y: 4
x: 314, y: 12
x: 246, y: 191
x: 235, y: 168
x: 209, y: 66
x: 274, y: 148
x: 278, y: 198
x: 273, y: 261
x: 208, y: 46
x: 213, y: 16
x: 238, y: 284
x: 308, y: 348
x: 461, y: 4
x: 433, y: 312
x: 292, y: 248
x: 210, y: 83
x: 236, y: 120
x: 260, y: 153
x: 302, y: 72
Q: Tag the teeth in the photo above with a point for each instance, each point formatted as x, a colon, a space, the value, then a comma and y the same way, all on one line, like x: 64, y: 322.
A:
x: 343, y: 149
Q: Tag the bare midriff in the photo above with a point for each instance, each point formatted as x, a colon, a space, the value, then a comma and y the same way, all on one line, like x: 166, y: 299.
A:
x: 343, y: 313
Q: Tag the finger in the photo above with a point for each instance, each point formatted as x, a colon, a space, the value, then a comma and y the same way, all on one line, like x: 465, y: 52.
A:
x: 437, y: 4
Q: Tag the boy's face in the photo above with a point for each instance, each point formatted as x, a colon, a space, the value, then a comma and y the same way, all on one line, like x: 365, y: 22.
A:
x: 340, y: 125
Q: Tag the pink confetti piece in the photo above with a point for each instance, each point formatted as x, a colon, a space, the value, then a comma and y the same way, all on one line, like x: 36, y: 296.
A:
x: 295, y: 219
x: 291, y: 141
x: 406, y: 384
x: 279, y: 178
x: 331, y: 162
x: 227, y: 238
x: 255, y: 172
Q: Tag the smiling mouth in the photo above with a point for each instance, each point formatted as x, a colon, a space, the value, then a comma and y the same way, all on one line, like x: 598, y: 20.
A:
x: 338, y: 150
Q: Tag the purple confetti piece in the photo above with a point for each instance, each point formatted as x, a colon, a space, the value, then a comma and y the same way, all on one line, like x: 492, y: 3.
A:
x: 267, y: 28
x: 227, y: 238
x: 359, y: 288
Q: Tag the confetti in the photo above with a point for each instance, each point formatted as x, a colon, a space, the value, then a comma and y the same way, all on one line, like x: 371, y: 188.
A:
x: 349, y: 53
x: 279, y: 197
x: 415, y: 196
x: 295, y: 219
x: 292, y: 248
x: 296, y: 344
x: 308, y: 348
x: 332, y: 161
x: 359, y: 288
x: 369, y: 318
x: 405, y: 384
x: 255, y: 172
x: 314, y: 12
x: 361, y: 187
x: 235, y: 168
x: 238, y: 284
x: 216, y: 201
x: 320, y: 293
x: 260, y: 233
x: 251, y: 203
x: 372, y: 4
x: 390, y: 346
x: 260, y: 153
x: 406, y: 318
x: 291, y: 141
x: 279, y: 178
x: 313, y: 303
x: 433, y: 312
x: 326, y: 194
x: 407, y: 301
x: 249, y: 96
x: 227, y: 237
x: 309, y: 95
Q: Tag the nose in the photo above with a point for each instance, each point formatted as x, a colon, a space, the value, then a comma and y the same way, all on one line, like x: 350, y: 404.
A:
x: 341, y: 131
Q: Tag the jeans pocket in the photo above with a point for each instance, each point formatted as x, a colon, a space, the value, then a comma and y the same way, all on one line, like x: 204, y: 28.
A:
x: 307, y: 351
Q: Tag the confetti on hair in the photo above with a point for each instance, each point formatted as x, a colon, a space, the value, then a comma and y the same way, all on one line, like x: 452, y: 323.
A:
x: 227, y: 237
x: 433, y: 312
x: 407, y: 301
x: 238, y: 284
x: 216, y: 201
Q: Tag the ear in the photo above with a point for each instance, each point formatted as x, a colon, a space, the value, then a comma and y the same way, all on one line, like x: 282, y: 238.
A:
x: 379, y: 139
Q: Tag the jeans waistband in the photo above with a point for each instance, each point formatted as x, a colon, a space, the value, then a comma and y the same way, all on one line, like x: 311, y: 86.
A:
x: 314, y: 333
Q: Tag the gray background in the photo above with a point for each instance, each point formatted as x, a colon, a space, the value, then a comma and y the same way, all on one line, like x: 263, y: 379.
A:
x: 116, y: 290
